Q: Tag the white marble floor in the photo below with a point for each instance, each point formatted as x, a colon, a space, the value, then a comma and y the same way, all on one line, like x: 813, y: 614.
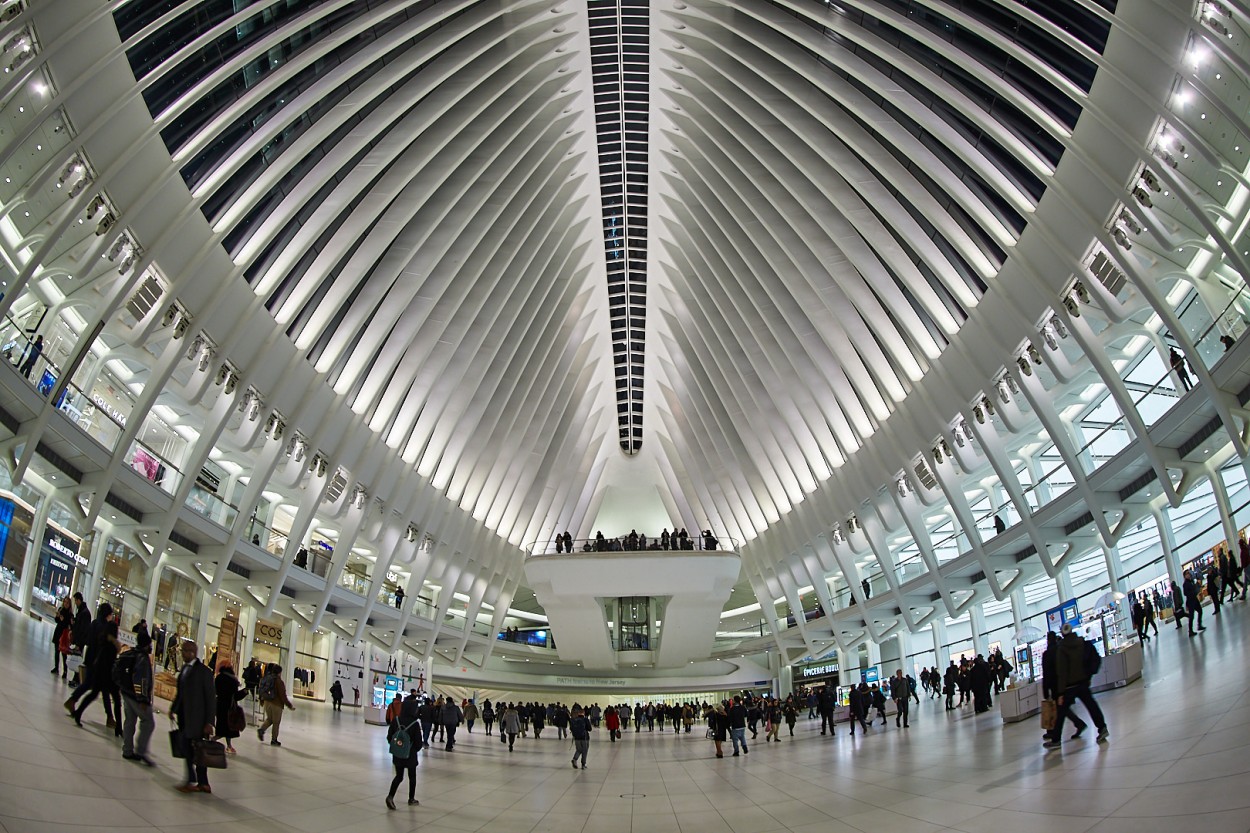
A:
x: 1178, y: 760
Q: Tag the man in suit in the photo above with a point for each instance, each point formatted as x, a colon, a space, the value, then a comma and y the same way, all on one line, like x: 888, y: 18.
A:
x: 195, y: 707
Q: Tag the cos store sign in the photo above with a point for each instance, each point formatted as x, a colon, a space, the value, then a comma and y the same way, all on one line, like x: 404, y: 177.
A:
x: 268, y: 631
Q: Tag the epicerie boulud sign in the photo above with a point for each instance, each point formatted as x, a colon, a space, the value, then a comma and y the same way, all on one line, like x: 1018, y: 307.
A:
x: 807, y: 672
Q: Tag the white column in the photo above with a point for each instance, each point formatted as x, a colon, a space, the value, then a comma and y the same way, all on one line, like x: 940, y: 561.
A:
x: 1167, y: 539
x: 247, y: 621
x: 938, y: 630
x: 1019, y: 609
x: 34, y: 552
x: 874, y: 653
x: 1063, y: 585
x: 201, y: 627
x: 95, y: 569
x: 976, y: 622
x: 290, y: 638
x: 904, y: 645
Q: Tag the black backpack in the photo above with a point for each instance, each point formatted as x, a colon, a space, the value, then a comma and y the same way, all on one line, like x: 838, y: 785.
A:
x: 1093, y: 660
x: 124, y: 672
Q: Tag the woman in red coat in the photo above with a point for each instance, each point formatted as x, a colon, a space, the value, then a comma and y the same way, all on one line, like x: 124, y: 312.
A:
x: 612, y: 722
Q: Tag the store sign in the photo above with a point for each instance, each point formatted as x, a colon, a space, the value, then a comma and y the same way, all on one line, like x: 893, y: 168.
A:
x: 67, y: 547
x: 592, y: 682
x: 111, y: 412
x: 268, y: 630
x: 809, y: 672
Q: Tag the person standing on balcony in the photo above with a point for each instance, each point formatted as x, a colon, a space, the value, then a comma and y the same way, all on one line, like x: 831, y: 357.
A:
x: 664, y: 539
x: 568, y: 541
x: 399, y: 597
x: 32, y: 356
x: 1178, y: 367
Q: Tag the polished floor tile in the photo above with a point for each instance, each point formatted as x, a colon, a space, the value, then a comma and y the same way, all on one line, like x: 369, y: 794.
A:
x: 1179, y: 758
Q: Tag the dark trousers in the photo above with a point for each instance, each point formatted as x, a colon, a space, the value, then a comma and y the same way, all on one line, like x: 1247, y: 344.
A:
x: 860, y: 718
x: 826, y: 719
x: 488, y: 723
x: 902, y: 713
x: 1070, y: 696
x: 1195, y: 611
x: 410, y: 767
x: 196, y: 773
x: 451, y: 736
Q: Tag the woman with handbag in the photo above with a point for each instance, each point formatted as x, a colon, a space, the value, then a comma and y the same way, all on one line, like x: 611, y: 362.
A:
x: 229, y: 712
x: 62, y: 636
x: 718, y: 728
x: 404, y: 744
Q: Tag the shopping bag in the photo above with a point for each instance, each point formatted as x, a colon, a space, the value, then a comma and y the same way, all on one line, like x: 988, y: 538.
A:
x: 176, y: 746
x: 210, y: 754
x: 1050, y: 713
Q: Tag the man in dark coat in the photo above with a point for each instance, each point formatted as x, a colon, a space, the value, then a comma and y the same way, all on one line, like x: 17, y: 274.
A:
x: 1193, y: 605
x: 980, y: 681
x: 195, y: 708
x: 825, y: 704
x: 1073, y: 673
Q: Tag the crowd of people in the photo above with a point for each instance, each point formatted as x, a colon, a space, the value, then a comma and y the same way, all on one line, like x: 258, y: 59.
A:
x: 208, y: 694
x: 635, y: 541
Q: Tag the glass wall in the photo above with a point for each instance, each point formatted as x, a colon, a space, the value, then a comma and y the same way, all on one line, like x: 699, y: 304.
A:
x: 178, y: 608
x: 124, y: 582
x: 16, y: 519
x: 312, y: 662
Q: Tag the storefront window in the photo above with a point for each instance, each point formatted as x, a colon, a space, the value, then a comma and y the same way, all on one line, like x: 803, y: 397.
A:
x: 312, y: 655
x: 62, y: 568
x: 16, y: 519
x: 124, y: 582
x: 224, y: 614
x: 178, y: 608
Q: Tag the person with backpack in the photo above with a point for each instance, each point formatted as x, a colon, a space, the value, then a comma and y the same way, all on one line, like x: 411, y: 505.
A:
x: 273, y: 699
x: 252, y: 675
x: 1076, y: 662
x: 231, y: 721
x: 488, y: 716
x: 404, y: 744
x: 579, y: 728
x: 133, y: 673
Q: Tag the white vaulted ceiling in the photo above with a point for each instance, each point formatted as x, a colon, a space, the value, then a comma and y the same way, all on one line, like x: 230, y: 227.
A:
x: 829, y: 202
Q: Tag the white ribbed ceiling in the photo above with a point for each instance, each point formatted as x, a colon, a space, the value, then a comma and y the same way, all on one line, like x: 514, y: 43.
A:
x: 416, y: 191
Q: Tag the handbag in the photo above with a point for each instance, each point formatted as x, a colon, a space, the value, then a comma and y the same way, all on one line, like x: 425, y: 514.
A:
x: 210, y: 754
x: 176, y: 746
x: 236, y: 719
x: 710, y: 734
x: 1050, y: 714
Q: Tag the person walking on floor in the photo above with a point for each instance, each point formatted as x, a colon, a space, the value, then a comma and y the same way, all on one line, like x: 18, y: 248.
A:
x: 273, y: 699
x: 1193, y: 605
x: 878, y: 703
x: 826, y: 705
x: 1075, y: 664
x: 1050, y: 686
x: 900, y: 693
x: 1213, y: 589
x: 1178, y: 605
x: 451, y: 718
x: 137, y: 701
x: 488, y: 716
x: 738, y: 725
x: 860, y: 701
x: 718, y: 728
x: 194, y: 707
x: 229, y: 692
x: 409, y: 721
x: 579, y: 728
x: 336, y: 695
x: 62, y: 634
x: 509, y: 725
x: 99, y: 672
